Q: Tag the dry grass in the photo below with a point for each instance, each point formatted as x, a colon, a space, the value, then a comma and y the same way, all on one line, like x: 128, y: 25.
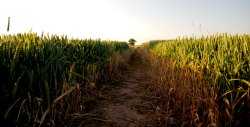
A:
x: 179, y: 95
x: 74, y: 109
x: 118, y: 62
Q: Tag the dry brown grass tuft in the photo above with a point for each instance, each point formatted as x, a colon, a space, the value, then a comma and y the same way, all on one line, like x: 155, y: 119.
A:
x: 117, y: 64
x: 179, y: 95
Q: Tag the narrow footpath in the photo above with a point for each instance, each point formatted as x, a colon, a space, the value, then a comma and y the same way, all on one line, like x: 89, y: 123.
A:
x: 125, y: 105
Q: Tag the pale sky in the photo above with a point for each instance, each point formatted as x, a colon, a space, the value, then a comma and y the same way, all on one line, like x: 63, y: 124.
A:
x: 124, y: 19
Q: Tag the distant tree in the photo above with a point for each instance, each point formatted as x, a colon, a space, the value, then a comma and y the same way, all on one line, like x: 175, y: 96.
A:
x: 131, y: 41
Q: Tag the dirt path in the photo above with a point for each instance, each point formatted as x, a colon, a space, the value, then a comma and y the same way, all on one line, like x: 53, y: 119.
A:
x: 125, y: 106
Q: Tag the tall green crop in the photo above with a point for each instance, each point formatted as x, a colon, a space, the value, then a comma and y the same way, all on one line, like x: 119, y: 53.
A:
x: 33, y: 66
x: 224, y: 60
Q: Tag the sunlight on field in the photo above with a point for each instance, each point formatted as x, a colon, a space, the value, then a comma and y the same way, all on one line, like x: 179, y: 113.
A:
x: 124, y: 62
